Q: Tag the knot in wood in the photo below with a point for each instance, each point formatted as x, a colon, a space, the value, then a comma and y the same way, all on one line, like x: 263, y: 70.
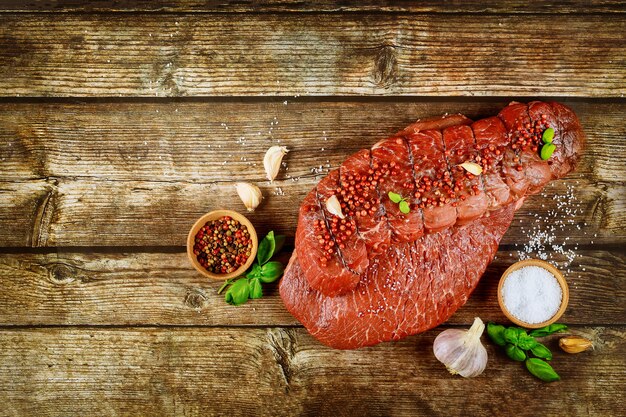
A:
x: 62, y: 273
x: 385, y: 66
x: 195, y: 299
x: 282, y: 343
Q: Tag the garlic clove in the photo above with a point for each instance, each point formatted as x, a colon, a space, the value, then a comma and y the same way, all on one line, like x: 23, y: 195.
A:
x: 334, y: 207
x: 250, y: 195
x: 472, y: 167
x: 461, y: 351
x: 272, y: 160
x: 575, y: 344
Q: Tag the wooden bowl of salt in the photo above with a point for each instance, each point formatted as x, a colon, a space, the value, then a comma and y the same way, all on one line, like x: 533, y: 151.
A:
x: 533, y: 293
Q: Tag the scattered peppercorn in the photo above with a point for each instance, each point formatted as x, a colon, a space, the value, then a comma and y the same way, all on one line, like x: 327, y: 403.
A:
x: 222, y: 245
x: 444, y: 184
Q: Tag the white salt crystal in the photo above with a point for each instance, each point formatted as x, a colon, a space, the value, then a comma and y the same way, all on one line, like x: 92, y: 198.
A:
x: 532, y: 294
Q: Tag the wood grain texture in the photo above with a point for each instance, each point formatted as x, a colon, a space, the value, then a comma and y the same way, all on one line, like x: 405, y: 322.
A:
x: 225, y: 140
x: 136, y: 174
x: 105, y: 316
x: 209, y: 371
x: 96, y: 213
x: 252, y: 6
x: 82, y: 288
x: 315, y: 54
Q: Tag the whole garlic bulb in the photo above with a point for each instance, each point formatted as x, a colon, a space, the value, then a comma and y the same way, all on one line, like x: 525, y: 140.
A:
x: 461, y: 350
x: 250, y: 195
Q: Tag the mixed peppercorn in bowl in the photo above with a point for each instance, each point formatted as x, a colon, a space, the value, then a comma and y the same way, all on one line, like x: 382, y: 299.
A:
x: 222, y: 244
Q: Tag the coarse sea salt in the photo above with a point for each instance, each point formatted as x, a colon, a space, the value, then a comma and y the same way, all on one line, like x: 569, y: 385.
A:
x: 548, y: 236
x: 532, y: 294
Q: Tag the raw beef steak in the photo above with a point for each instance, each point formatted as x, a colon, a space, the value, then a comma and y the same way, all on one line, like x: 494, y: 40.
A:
x: 352, y: 255
x: 410, y: 288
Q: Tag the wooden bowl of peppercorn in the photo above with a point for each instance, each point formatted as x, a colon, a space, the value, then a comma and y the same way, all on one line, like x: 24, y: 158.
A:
x: 222, y: 244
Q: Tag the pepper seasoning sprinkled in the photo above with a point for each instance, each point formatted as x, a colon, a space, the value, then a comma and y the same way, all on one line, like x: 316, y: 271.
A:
x: 357, y: 193
x: 528, y: 136
x: 358, y: 197
x: 222, y: 245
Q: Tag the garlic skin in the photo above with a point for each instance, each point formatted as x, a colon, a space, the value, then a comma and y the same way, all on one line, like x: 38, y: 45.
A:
x: 250, y: 195
x: 334, y: 207
x: 271, y: 161
x: 461, y: 350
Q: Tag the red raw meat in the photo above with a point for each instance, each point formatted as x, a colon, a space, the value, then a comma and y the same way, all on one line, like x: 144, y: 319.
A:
x: 410, y: 288
x: 433, y: 255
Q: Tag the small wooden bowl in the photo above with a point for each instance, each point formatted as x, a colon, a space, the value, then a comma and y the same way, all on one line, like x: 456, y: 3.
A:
x: 212, y: 216
x: 559, y: 277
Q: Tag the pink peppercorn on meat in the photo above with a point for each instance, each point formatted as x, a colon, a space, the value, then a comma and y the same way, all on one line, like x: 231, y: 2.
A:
x: 418, y: 267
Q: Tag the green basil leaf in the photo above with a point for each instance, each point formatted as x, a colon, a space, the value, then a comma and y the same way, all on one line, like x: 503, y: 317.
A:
x: 510, y: 335
x: 548, y: 135
x: 404, y: 207
x: 513, y: 334
x: 271, y: 271
x: 526, y: 342
x: 255, y: 272
x: 279, y: 241
x: 542, y: 370
x: 238, y: 293
x: 541, y: 351
x: 256, y: 291
x: 548, y: 330
x: 514, y: 352
x: 547, y: 150
x: 496, y: 333
x: 225, y: 284
x: 396, y: 198
x: 266, y: 248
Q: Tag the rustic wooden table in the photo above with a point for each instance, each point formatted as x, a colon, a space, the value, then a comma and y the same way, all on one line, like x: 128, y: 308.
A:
x: 122, y: 123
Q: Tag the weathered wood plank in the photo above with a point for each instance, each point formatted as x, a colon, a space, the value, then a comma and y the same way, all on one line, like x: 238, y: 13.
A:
x: 131, y: 173
x: 509, y: 6
x: 275, y: 372
x: 316, y: 54
x: 226, y: 140
x: 71, y: 288
x: 159, y: 213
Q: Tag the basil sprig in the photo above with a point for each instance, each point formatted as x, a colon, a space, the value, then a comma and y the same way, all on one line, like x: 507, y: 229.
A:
x: 402, y: 202
x: 548, y: 148
x: 520, y: 345
x: 264, y: 271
